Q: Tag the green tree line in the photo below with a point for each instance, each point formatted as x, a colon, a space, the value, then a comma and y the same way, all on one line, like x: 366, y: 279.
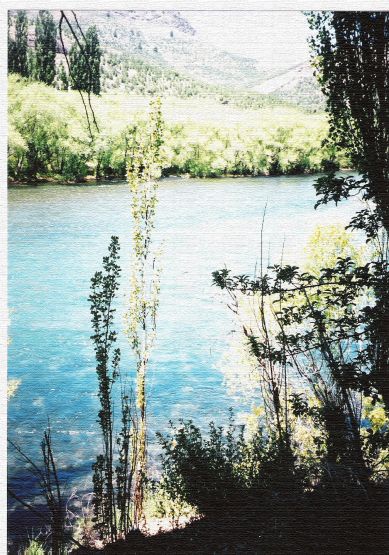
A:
x: 48, y: 140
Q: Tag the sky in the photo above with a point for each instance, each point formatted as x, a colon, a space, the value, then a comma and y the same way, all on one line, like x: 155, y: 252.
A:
x: 274, y: 39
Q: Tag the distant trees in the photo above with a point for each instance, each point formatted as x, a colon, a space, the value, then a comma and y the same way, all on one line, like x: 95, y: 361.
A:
x: 45, y: 47
x: 39, y: 63
x: 213, y: 152
x: 85, y: 63
x: 62, y: 78
x: 17, y: 46
x: 45, y: 138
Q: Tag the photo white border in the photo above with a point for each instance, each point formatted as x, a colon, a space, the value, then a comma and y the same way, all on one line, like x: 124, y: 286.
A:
x: 181, y: 5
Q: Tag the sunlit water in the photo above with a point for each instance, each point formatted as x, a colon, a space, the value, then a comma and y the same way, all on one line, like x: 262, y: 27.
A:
x: 57, y: 238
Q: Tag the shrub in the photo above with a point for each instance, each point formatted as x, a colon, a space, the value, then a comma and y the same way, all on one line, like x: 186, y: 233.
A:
x: 221, y: 472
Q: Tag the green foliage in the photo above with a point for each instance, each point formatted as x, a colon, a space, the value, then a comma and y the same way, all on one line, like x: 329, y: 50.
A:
x: 159, y: 504
x: 138, y: 76
x: 17, y: 46
x: 220, y: 472
x: 327, y: 244
x: 46, y: 138
x: 143, y: 170
x: 348, y: 49
x: 85, y: 63
x: 319, y: 319
x: 34, y: 548
x: 271, y: 151
x: 62, y: 78
x: 375, y: 437
x: 114, y: 468
x: 285, y: 141
x: 45, y: 47
x: 103, y: 290
x: 350, y: 55
x: 31, y: 62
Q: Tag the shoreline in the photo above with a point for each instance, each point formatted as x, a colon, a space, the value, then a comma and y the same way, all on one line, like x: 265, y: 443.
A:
x: 90, y: 180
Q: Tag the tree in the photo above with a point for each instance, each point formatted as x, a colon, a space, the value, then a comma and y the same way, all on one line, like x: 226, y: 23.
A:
x: 62, y: 77
x: 103, y: 290
x: 31, y: 63
x: 112, y: 498
x: 17, y: 47
x: 305, y: 325
x: 330, y: 326
x: 144, y: 169
x: 93, y: 53
x: 45, y: 47
x: 85, y: 63
x: 350, y: 51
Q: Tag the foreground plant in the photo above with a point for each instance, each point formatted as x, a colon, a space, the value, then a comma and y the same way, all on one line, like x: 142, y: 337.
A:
x: 144, y: 168
x: 47, y: 477
x: 113, y: 471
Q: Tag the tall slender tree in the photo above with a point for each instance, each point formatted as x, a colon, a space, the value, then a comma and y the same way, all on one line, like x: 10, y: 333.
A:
x: 144, y: 169
x: 94, y: 53
x: 17, y: 46
x: 104, y: 286
x: 45, y: 47
x: 351, y: 54
x: 85, y: 65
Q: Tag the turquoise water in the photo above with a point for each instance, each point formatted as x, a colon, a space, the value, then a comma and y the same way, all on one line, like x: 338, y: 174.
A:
x: 57, y: 238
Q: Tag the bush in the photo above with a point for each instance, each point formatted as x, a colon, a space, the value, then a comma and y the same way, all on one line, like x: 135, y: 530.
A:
x: 47, y: 137
x: 224, y: 471
x: 34, y: 548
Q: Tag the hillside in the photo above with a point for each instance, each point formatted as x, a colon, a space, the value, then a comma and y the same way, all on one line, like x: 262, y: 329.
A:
x: 297, y: 85
x: 160, y: 52
x: 167, y: 39
x: 135, y: 75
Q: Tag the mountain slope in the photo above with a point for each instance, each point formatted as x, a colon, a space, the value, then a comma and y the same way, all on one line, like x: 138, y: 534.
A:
x: 169, y: 40
x: 160, y: 52
x: 297, y: 85
x: 165, y: 38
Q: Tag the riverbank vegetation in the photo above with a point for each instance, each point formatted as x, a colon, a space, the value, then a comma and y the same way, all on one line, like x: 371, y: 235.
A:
x: 49, y: 139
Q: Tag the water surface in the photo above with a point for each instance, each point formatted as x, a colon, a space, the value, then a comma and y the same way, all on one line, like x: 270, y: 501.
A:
x: 57, y: 238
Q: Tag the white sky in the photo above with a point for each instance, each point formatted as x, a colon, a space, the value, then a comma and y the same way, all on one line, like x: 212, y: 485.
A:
x: 275, y: 39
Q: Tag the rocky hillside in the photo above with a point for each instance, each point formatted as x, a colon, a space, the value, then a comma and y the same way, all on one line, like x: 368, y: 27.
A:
x: 297, y: 85
x: 165, y: 38
x: 149, y: 51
